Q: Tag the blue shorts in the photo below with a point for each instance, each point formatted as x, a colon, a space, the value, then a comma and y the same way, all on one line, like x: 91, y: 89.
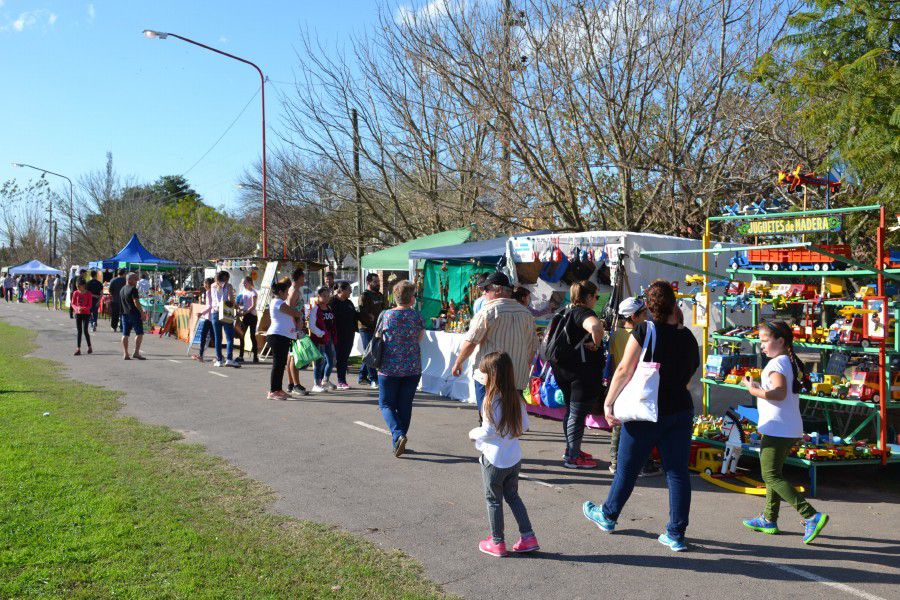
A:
x: 131, y: 322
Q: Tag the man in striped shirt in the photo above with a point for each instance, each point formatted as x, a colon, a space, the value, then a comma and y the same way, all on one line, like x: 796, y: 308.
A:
x: 502, y: 325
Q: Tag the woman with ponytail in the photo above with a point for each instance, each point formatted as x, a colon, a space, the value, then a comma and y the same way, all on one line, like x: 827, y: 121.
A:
x: 780, y: 423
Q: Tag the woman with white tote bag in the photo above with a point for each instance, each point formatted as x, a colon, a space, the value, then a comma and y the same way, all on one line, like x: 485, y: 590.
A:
x: 668, y: 361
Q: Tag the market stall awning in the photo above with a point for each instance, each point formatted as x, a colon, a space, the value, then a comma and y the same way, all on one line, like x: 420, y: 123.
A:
x: 133, y: 255
x: 34, y: 267
x: 485, y: 249
x: 396, y: 258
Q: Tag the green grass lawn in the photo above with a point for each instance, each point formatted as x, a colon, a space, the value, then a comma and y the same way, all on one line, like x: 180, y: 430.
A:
x: 93, y: 505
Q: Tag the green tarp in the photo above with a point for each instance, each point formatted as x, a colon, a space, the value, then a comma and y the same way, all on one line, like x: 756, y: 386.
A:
x: 397, y: 257
x: 457, y: 275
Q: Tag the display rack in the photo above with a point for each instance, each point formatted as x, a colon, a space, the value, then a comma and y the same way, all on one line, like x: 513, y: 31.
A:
x: 867, y: 413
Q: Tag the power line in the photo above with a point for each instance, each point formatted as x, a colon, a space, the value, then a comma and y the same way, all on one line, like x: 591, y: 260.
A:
x: 224, y: 133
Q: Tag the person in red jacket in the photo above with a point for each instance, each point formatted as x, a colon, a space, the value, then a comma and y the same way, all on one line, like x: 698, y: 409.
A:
x: 323, y: 331
x: 82, y: 301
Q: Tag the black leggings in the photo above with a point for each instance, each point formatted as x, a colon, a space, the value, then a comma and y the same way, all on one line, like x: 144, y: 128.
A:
x: 82, y: 322
x: 280, y: 346
x: 342, y: 351
x: 249, y: 322
x: 581, y: 394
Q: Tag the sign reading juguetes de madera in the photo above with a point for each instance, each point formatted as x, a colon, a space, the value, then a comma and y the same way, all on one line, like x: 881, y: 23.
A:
x: 787, y: 226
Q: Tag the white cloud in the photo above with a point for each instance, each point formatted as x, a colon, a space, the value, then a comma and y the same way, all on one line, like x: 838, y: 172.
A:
x: 435, y: 9
x: 30, y: 18
x: 91, y: 12
x: 223, y: 39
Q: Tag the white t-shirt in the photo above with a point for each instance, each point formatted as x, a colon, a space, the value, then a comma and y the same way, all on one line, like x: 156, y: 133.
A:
x: 282, y: 324
x: 501, y: 451
x: 247, y: 300
x: 780, y: 418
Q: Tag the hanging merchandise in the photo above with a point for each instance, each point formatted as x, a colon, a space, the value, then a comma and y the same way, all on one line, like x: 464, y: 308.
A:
x: 554, y: 271
x: 551, y: 395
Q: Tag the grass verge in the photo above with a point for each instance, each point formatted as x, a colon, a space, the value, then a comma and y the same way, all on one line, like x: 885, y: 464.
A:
x: 93, y: 505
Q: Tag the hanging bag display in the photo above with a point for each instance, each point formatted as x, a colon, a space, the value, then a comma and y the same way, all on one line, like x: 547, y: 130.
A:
x: 374, y: 352
x: 305, y: 352
x: 639, y: 400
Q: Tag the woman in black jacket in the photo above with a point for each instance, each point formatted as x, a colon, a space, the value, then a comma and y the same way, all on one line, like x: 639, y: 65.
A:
x: 345, y: 317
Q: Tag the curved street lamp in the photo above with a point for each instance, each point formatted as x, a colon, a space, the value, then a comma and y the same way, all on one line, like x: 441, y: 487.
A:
x: 71, y: 199
x: 160, y: 35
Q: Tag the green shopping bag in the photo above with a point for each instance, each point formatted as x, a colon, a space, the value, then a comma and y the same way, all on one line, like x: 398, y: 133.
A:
x: 305, y: 352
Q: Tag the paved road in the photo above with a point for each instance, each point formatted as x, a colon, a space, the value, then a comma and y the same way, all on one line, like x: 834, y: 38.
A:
x: 327, y: 465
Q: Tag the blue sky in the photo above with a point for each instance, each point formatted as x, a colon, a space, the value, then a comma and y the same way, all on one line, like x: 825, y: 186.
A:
x: 80, y: 79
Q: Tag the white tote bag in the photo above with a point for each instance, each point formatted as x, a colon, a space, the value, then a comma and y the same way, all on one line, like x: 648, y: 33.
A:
x: 639, y: 400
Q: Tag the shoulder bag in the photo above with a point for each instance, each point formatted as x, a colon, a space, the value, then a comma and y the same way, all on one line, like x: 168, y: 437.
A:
x: 639, y: 400
x: 374, y: 353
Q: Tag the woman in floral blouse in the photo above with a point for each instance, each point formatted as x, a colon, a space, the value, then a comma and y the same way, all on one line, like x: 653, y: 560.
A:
x: 401, y: 329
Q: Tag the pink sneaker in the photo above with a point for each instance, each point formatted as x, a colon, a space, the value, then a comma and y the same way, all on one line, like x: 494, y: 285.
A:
x: 489, y: 547
x: 343, y: 386
x: 528, y: 543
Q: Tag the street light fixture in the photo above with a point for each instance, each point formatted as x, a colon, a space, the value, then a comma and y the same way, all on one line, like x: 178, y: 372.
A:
x: 71, y: 199
x: 161, y: 35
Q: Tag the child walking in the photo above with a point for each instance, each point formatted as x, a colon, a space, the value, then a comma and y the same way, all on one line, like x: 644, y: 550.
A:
x: 82, y: 300
x: 504, y: 420
x: 781, y: 425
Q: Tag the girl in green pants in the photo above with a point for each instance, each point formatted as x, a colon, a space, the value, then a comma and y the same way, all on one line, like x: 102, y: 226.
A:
x: 778, y: 401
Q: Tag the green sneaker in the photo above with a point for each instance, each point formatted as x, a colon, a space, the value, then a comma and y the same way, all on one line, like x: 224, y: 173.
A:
x: 761, y: 524
x: 814, y: 525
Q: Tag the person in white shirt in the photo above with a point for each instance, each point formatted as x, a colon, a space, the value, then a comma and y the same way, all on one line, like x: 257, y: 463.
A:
x: 143, y: 286
x: 780, y: 423
x: 249, y: 318
x: 504, y: 421
x: 280, y: 335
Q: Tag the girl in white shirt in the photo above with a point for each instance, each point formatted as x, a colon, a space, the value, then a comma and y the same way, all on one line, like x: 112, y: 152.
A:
x: 780, y: 423
x: 281, y: 334
x: 504, y: 420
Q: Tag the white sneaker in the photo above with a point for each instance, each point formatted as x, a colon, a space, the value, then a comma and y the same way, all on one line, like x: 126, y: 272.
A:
x: 318, y: 389
x: 374, y: 385
x: 218, y: 363
x: 231, y: 363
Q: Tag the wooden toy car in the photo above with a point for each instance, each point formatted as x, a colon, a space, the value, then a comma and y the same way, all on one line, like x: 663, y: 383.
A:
x: 823, y: 388
x: 840, y: 390
x: 735, y: 288
x: 759, y: 287
x: 706, y: 460
x: 694, y: 279
x: 866, y: 291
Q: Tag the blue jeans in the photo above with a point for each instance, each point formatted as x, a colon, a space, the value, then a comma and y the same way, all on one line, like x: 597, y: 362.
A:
x: 218, y: 328
x: 323, y: 366
x: 672, y: 436
x: 364, y: 371
x: 205, y: 331
x: 395, y: 399
x: 480, y: 391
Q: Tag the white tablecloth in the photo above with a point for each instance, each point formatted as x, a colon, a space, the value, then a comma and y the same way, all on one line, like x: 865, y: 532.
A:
x: 439, y: 351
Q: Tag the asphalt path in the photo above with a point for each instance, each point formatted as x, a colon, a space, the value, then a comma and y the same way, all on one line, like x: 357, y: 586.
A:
x: 328, y: 459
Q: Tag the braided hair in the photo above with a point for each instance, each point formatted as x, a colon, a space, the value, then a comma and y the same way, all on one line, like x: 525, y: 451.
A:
x: 782, y: 331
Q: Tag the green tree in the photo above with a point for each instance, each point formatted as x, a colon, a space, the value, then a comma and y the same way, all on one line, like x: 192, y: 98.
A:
x: 843, y: 85
x: 170, y: 189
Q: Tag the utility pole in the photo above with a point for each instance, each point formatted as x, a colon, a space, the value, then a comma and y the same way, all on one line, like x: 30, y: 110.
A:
x: 356, y: 143
x: 50, y: 230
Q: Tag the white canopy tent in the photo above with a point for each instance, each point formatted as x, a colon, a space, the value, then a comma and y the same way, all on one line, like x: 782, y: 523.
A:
x: 34, y: 267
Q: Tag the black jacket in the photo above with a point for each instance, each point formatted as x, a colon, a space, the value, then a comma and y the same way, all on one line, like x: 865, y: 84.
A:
x: 370, y: 306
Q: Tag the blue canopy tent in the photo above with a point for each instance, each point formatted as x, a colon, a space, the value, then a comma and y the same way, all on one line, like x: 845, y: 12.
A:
x: 34, y: 267
x: 134, y: 255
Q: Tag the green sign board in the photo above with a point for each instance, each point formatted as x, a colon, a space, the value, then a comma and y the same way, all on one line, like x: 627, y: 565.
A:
x: 791, y: 225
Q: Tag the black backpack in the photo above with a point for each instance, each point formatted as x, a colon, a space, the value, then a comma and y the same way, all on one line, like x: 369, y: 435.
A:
x: 556, y: 347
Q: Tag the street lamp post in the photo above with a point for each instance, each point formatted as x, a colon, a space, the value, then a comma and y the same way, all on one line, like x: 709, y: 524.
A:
x: 160, y: 35
x: 71, y: 200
